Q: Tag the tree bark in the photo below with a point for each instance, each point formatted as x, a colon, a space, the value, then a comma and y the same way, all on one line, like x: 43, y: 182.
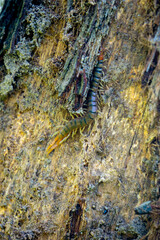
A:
x: 89, y: 186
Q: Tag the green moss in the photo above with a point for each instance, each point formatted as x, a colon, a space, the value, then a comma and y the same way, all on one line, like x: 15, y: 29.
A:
x: 6, y: 86
x: 38, y: 19
x: 18, y: 62
x: 128, y: 232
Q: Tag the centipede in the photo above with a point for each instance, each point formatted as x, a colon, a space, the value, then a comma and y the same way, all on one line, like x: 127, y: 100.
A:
x: 92, y: 107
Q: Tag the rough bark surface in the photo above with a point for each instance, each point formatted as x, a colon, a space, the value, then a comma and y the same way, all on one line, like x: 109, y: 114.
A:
x: 89, y: 186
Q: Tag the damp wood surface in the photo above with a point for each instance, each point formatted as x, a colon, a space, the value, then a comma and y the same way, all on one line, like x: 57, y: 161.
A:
x: 88, y: 187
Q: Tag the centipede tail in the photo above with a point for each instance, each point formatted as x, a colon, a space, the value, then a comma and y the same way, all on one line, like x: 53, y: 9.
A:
x: 91, y: 110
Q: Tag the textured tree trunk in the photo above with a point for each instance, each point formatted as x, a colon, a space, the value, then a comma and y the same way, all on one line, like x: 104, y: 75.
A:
x: 89, y: 186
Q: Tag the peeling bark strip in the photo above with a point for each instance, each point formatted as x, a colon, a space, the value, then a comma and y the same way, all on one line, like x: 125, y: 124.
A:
x: 94, y: 28
x: 150, y: 67
x: 80, y: 88
x: 9, y: 20
x: 76, y: 218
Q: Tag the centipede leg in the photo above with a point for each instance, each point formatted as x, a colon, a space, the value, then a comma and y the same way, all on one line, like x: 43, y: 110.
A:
x: 55, y: 133
x: 72, y: 115
x: 74, y: 132
x: 89, y: 127
x: 81, y: 130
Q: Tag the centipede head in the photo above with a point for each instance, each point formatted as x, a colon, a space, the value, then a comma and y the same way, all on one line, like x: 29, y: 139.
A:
x: 101, y: 55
